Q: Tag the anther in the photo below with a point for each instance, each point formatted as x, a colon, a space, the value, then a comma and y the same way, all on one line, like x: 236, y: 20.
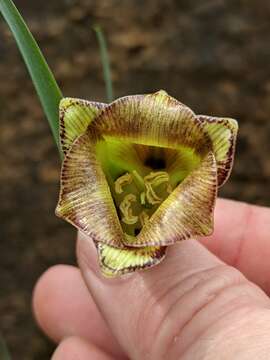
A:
x: 154, y: 179
x: 122, y: 181
x: 144, y: 218
x: 126, y: 209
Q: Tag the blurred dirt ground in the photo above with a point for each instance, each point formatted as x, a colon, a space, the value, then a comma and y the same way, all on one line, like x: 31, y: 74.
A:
x: 213, y: 56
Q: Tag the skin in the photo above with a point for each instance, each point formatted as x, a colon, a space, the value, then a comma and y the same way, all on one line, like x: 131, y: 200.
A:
x: 209, y: 299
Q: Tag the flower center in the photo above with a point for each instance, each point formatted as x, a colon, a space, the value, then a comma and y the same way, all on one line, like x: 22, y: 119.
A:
x: 138, y: 197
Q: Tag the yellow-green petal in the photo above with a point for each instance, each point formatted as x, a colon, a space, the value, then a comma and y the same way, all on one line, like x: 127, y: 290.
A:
x: 155, y: 119
x: 115, y: 262
x: 223, y: 133
x: 180, y: 163
x: 85, y: 198
x: 75, y: 116
x: 188, y: 210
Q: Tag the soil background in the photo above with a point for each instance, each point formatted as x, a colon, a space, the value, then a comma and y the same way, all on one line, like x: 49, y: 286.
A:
x: 212, y: 55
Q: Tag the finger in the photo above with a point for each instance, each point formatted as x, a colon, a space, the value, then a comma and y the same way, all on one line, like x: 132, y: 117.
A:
x: 163, y: 311
x: 78, y: 348
x: 63, y: 307
x: 232, y: 215
x: 242, y: 239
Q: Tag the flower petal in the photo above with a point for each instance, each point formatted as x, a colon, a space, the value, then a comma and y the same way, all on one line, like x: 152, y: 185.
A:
x: 75, y: 116
x: 115, y: 262
x: 180, y: 163
x: 188, y: 210
x: 223, y: 133
x: 156, y: 119
x: 85, y: 198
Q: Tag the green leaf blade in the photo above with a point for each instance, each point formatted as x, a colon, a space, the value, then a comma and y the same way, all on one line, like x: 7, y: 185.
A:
x: 105, y: 62
x: 42, y: 77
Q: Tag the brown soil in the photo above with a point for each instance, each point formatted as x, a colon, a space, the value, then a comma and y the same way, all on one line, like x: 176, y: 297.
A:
x: 214, y: 57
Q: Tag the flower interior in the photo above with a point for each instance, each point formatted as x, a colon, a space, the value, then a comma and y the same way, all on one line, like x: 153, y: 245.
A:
x: 141, y: 177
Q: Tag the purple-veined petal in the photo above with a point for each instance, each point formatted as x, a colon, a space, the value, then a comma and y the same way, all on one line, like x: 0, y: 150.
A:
x: 85, y: 198
x: 155, y: 119
x: 223, y: 133
x: 115, y: 262
x: 74, y: 117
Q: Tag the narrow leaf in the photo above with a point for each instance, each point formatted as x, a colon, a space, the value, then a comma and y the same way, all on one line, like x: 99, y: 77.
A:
x: 105, y: 63
x: 42, y: 77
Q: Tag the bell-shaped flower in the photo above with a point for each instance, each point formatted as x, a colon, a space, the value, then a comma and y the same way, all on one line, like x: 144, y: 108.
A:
x: 140, y: 174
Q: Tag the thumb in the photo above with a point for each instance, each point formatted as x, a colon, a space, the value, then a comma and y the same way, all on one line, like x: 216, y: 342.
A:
x: 189, y: 306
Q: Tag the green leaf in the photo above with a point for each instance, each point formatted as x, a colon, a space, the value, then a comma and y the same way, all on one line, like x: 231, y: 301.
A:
x: 42, y: 77
x: 105, y: 62
x: 4, y: 354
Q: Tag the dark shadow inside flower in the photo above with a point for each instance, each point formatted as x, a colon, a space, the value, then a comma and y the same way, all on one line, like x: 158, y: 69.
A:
x: 154, y: 162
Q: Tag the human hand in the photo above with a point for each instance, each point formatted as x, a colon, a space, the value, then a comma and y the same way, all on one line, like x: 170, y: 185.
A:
x: 191, y: 306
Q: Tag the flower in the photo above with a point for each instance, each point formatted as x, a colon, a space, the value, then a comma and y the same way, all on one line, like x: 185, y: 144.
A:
x: 140, y: 174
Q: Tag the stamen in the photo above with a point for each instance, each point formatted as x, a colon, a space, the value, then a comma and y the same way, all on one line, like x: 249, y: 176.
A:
x: 126, y: 209
x: 122, y: 181
x: 142, y: 198
x: 155, y: 179
x: 144, y: 218
x: 139, y: 182
x: 130, y: 238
